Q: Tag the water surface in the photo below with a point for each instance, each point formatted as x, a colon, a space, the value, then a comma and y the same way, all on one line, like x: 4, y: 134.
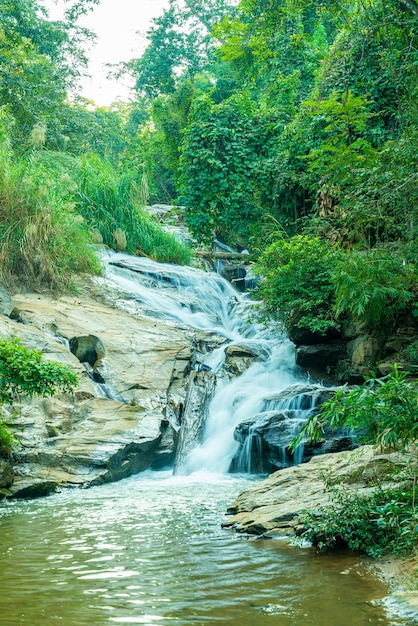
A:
x: 151, y: 550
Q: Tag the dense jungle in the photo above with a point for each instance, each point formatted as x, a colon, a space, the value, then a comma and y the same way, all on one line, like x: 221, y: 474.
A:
x: 284, y: 130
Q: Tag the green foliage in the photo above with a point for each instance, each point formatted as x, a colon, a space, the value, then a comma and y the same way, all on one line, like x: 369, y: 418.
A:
x: 109, y: 201
x: 7, y: 440
x: 39, y: 60
x: 374, y: 287
x: 218, y: 165
x: 384, y: 521
x: 343, y: 148
x: 382, y: 411
x: 43, y: 242
x: 179, y: 45
x: 296, y: 285
x: 24, y: 372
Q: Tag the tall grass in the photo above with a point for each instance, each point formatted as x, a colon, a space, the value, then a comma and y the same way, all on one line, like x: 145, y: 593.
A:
x: 43, y: 242
x: 109, y: 201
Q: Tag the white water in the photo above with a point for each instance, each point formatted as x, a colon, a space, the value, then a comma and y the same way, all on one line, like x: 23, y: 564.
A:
x: 195, y: 299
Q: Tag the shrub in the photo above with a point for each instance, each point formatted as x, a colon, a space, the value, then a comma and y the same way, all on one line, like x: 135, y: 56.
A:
x: 7, y: 440
x: 382, y: 411
x: 381, y: 522
x: 24, y: 372
x: 296, y: 284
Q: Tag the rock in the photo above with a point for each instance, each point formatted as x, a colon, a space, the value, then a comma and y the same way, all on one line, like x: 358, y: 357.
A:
x: 305, y: 337
x: 102, y: 432
x: 89, y: 349
x: 363, y: 353
x: 239, y: 357
x: 265, y: 438
x: 6, y: 305
x: 6, y: 474
x: 33, y: 488
x: 235, y: 274
x: 96, y: 236
x: 119, y: 240
x: 193, y: 420
x: 320, y: 358
x: 272, y: 506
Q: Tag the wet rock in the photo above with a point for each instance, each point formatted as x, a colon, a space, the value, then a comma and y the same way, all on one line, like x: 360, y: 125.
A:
x: 320, y: 358
x: 102, y: 432
x: 239, y: 357
x: 33, y: 488
x: 265, y: 439
x: 119, y: 239
x: 193, y: 420
x: 235, y: 274
x: 6, y: 474
x: 273, y: 505
x: 306, y: 337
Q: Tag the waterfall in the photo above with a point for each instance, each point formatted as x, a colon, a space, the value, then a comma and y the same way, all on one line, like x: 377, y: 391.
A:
x: 197, y: 300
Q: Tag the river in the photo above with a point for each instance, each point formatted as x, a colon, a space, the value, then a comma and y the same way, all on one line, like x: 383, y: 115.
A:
x: 150, y: 549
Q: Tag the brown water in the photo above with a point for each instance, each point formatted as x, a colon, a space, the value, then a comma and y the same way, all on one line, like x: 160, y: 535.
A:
x: 150, y: 550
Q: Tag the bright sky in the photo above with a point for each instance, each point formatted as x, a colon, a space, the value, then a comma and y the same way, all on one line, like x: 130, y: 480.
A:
x: 120, y: 26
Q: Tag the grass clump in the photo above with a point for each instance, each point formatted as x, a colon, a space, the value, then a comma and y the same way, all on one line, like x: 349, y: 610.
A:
x: 43, y: 242
x: 110, y: 201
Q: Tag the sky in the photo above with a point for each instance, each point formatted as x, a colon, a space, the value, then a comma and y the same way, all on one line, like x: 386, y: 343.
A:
x: 120, y: 26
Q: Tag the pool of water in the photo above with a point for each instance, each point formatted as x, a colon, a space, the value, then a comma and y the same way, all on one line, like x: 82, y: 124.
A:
x: 151, y: 550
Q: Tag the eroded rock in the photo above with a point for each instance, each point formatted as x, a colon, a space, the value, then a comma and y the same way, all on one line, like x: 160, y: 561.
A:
x: 273, y: 505
x: 103, y: 432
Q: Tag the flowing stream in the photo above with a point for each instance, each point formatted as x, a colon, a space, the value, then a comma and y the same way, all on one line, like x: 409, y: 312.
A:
x: 150, y: 549
x: 190, y: 298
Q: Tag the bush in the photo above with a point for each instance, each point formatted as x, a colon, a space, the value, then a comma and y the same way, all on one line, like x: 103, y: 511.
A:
x: 7, y: 440
x: 23, y: 372
x: 296, y: 285
x: 381, y: 522
x: 382, y: 411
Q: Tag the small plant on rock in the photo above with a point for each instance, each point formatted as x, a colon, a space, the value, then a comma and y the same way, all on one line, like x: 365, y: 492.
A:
x: 24, y: 372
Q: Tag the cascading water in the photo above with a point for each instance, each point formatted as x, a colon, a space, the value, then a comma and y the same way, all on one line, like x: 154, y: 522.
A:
x: 194, y: 299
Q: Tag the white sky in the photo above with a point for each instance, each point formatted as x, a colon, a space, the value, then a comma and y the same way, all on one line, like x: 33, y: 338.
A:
x: 120, y: 26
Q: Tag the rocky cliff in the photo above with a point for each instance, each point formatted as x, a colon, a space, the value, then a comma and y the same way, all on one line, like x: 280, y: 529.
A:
x: 124, y: 415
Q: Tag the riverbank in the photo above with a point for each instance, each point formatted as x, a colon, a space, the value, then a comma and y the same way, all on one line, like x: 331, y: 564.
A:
x: 272, y: 507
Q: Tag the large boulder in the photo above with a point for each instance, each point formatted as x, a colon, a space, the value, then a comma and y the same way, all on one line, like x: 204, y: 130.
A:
x: 272, y: 506
x: 265, y: 438
x: 103, y: 432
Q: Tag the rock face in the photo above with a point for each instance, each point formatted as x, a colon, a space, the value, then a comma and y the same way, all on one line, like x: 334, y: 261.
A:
x: 193, y: 418
x: 266, y: 437
x: 105, y: 431
x: 273, y: 505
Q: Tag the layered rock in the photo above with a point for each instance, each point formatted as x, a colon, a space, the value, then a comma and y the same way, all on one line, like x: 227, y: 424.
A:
x: 273, y: 505
x: 106, y: 431
x: 265, y: 438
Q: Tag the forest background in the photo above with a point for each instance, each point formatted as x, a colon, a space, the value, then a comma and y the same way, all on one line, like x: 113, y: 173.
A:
x: 284, y: 127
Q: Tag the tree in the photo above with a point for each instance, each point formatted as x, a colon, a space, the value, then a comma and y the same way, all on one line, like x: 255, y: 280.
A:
x: 218, y: 165
x: 39, y: 60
